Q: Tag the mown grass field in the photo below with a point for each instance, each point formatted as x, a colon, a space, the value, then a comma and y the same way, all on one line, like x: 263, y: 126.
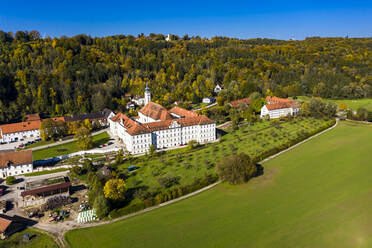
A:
x: 67, y: 148
x: 191, y: 165
x: 353, y: 104
x: 38, y: 240
x: 317, y: 195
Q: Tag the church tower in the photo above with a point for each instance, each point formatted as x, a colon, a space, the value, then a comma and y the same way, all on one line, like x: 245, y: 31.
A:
x: 147, y: 94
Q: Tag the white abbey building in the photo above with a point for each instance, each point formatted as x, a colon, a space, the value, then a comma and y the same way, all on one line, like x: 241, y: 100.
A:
x: 277, y: 107
x: 161, y: 128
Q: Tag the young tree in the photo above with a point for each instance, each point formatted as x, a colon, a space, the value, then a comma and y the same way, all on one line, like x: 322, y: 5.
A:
x: 236, y: 169
x: 84, y: 138
x: 88, y: 124
x: 119, y: 158
x: 192, y: 144
x: 47, y: 129
x: 152, y: 150
x: 257, y: 104
x: 115, y: 189
x: 102, y: 206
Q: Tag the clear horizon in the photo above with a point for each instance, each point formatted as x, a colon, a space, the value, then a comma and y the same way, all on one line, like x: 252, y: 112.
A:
x: 238, y: 19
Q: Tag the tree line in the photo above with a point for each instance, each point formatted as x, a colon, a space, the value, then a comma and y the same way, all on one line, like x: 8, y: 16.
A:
x: 80, y: 74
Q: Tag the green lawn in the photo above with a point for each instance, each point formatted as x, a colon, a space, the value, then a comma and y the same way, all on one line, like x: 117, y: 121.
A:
x: 350, y: 103
x: 68, y: 148
x: 38, y: 240
x: 192, y: 165
x: 316, y: 195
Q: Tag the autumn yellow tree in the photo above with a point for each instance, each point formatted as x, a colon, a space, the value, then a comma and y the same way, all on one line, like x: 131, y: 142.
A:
x: 88, y: 124
x: 115, y: 189
x: 84, y: 138
x: 342, y: 106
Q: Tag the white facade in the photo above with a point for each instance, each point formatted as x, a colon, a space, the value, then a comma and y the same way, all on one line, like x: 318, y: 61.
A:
x: 15, y: 170
x: 208, y: 100
x: 276, y: 113
x: 217, y: 89
x: 175, y: 135
x: 9, y: 137
x: 139, y: 101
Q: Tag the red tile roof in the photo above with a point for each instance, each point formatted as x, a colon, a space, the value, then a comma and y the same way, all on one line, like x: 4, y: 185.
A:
x: 135, y: 128
x: 156, y: 112
x: 236, y: 103
x: 15, y: 158
x: 274, y: 99
x: 20, y: 126
x: 58, y: 119
x: 132, y: 126
x: 46, y: 189
x: 182, y: 112
x: 4, y: 223
x: 280, y: 103
x: 33, y: 117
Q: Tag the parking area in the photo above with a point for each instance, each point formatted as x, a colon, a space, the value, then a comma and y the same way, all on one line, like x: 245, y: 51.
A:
x: 17, y: 144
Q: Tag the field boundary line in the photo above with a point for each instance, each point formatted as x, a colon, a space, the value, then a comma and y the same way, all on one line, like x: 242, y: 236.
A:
x: 300, y: 143
x: 359, y: 122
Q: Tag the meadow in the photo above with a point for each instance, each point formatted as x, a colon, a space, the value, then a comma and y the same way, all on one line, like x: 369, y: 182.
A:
x: 68, y: 148
x: 319, y: 194
x: 353, y: 104
x: 38, y: 240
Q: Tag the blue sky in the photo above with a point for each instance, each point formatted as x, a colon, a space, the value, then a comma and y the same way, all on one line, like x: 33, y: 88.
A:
x: 241, y: 19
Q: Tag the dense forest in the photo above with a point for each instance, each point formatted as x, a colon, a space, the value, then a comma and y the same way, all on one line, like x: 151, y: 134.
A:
x: 82, y: 74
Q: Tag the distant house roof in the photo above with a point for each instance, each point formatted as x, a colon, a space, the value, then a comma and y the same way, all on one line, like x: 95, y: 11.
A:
x: 58, y: 119
x: 156, y: 112
x: 15, y: 158
x: 280, y: 103
x: 236, y: 103
x: 20, y: 127
x: 46, y: 189
x: 32, y: 117
x: 90, y: 116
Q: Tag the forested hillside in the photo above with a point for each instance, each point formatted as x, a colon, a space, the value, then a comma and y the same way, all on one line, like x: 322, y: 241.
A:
x: 82, y: 74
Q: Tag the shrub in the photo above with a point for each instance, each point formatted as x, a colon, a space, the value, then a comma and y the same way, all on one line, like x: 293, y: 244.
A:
x: 169, y: 181
x: 10, y: 180
x: 236, y: 169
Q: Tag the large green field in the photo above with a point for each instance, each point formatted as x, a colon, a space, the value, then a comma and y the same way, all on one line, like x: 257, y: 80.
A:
x: 353, y: 104
x: 38, y: 240
x: 68, y: 148
x: 316, y: 195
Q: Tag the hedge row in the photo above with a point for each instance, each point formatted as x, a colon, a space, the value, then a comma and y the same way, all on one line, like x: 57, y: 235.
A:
x: 163, y: 197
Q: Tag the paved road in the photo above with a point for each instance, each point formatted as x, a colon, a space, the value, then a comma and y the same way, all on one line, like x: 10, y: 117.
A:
x: 211, y: 105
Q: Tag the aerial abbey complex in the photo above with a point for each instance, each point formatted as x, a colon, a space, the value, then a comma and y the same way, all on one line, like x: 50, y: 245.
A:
x: 161, y: 128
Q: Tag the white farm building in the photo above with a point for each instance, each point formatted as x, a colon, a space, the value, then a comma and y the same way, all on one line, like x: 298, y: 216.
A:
x: 15, y: 163
x: 277, y: 107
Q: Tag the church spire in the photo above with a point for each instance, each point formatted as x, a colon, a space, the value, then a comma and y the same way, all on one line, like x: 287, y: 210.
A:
x: 147, y: 94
